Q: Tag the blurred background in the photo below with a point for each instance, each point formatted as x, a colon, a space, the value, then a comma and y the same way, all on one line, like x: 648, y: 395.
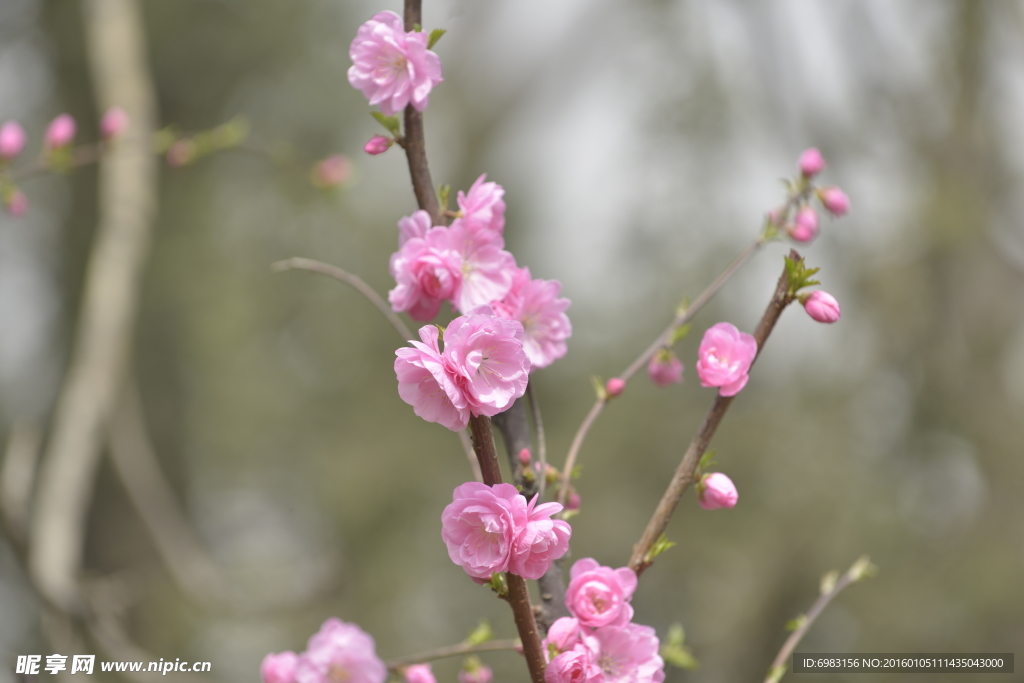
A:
x: 640, y: 145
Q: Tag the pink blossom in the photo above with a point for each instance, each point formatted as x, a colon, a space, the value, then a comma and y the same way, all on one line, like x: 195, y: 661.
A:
x: 629, y: 654
x: 427, y: 271
x: 805, y: 225
x: 416, y: 225
x: 391, y: 67
x: 60, y: 132
x: 811, y: 162
x: 12, y: 140
x: 425, y: 383
x: 340, y: 652
x: 578, y: 665
x: 574, y: 501
x: 114, y: 122
x: 822, y: 306
x: 716, y: 491
x: 664, y: 368
x: 536, y: 304
x: 332, y: 171
x: 615, y: 386
x: 525, y: 457
x: 725, y: 356
x: 478, y: 673
x: 16, y: 203
x: 540, y: 542
x: 598, y: 595
x: 181, y: 153
x: 279, y: 667
x: 487, y: 269
x: 480, y: 527
x: 419, y: 673
x: 834, y: 200
x: 378, y: 144
x: 563, y: 635
x: 482, y: 208
x: 485, y: 356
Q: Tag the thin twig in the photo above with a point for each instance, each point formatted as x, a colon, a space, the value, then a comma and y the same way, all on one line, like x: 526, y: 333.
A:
x: 684, y: 474
x: 682, y: 317
x: 354, y: 281
x: 467, y: 446
x: 542, y: 445
x: 396, y: 665
x: 860, y: 569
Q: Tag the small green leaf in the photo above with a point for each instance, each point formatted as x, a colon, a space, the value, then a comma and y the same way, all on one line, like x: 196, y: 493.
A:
x: 416, y: 28
x: 569, y: 514
x: 577, y: 472
x: 481, y: 634
x: 498, y: 584
x: 683, y: 306
x: 602, y: 394
x: 828, y: 582
x: 435, y: 36
x: 389, y: 122
x: 798, y: 622
x: 776, y: 674
x: 443, y: 193
x: 705, y: 462
x: 862, y: 569
x: 679, y: 334
x: 660, y: 546
x: 673, y: 651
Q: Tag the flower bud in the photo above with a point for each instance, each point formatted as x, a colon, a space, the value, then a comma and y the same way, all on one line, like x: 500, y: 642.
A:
x: 524, y: 457
x: 16, y: 203
x: 474, y: 671
x: 716, y: 491
x: 574, y: 501
x: 378, y: 144
x: 419, y: 673
x: 114, y: 122
x: 332, y: 171
x: 811, y: 162
x: 279, y: 667
x: 664, y: 368
x: 805, y: 225
x: 12, y: 140
x: 821, y: 306
x: 181, y: 153
x: 614, y: 386
x: 60, y: 132
x: 834, y: 200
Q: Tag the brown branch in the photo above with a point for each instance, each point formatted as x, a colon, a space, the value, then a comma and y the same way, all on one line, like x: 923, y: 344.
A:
x: 103, y: 338
x: 684, y: 475
x: 414, y: 143
x: 396, y: 665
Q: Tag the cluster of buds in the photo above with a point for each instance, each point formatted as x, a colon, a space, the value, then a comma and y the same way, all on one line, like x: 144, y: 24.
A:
x: 805, y: 223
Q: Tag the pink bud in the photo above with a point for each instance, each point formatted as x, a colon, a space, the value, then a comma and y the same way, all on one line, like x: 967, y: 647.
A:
x: 12, y: 140
x: 60, y: 132
x: 822, y: 306
x: 16, y: 203
x: 664, y: 368
x: 114, y: 122
x: 834, y: 200
x: 716, y: 491
x: 279, y: 667
x: 524, y: 457
x: 574, y: 501
x: 614, y: 386
x: 480, y: 673
x: 805, y: 225
x: 378, y: 144
x: 181, y: 153
x: 811, y: 162
x: 419, y: 673
x: 332, y: 171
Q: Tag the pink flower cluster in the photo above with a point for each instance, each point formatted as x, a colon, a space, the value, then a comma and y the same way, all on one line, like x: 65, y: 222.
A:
x: 393, y: 68
x: 466, y: 263
x: 481, y: 371
x: 599, y: 643
x: 805, y: 225
x: 724, y: 358
x: 337, y: 652
x: 492, y: 529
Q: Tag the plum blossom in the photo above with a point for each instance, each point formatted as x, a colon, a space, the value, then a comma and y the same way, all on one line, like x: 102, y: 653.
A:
x: 419, y: 673
x: 811, y: 162
x: 60, y: 132
x: 536, y: 304
x: 540, y: 542
x: 279, y: 667
x: 834, y: 200
x: 629, y: 654
x: 482, y: 207
x: 615, y: 386
x: 599, y: 596
x: 664, y: 368
x: 425, y: 383
x: 332, y: 171
x: 16, y: 203
x: 378, y: 144
x: 391, y: 67
x: 115, y: 121
x: 805, y: 225
x: 577, y: 665
x: 480, y: 527
x: 715, y: 491
x: 486, y: 268
x: 416, y: 225
x: 12, y: 140
x: 724, y: 358
x: 340, y: 652
x: 427, y: 271
x: 821, y: 306
x: 475, y: 672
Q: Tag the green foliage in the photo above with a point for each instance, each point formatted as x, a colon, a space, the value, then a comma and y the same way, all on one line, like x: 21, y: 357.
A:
x: 660, y: 546
x: 776, y: 674
x: 602, y: 394
x: 705, y: 463
x: 799, y: 276
x: 481, y: 634
x: 443, y: 194
x: 674, y: 652
x: 390, y: 123
x: 797, y: 622
x: 679, y: 334
x: 435, y: 36
x: 862, y: 569
x: 828, y: 582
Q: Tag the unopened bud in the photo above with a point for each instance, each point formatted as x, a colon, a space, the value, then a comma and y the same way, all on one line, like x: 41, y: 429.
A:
x: 12, y: 140
x: 60, y: 132
x: 16, y: 203
x: 114, y: 122
x: 805, y: 225
x: 811, y: 162
x: 419, y: 673
x: 821, y: 306
x: 834, y: 200
x: 332, y: 171
x: 574, y: 501
x: 181, y: 153
x: 378, y: 144
x: 716, y: 491
x: 524, y: 457
x: 614, y: 386
x: 664, y: 368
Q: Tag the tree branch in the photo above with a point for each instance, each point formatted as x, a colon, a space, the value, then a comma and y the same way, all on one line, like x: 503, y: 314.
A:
x: 395, y: 665
x: 684, y: 475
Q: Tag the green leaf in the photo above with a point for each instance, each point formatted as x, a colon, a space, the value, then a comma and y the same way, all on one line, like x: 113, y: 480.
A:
x: 498, y: 584
x: 577, y: 472
x: 679, y: 334
x: 705, y: 462
x: 798, y: 622
x: 435, y: 36
x: 660, y: 546
x: 390, y: 123
x: 443, y: 193
x: 862, y: 569
x: 828, y: 582
x: 776, y: 674
x: 683, y: 306
x: 416, y: 28
x: 673, y: 652
x: 481, y: 634
x: 602, y: 394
